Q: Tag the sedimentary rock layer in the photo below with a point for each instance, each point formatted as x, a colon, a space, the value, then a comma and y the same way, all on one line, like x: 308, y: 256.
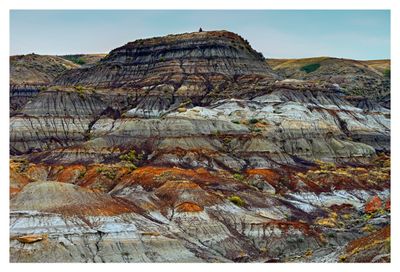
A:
x: 189, y: 148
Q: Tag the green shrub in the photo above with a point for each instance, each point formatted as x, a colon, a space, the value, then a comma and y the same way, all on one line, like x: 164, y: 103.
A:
x: 75, y: 59
x: 237, y: 200
x: 253, y: 121
x: 131, y: 156
x: 310, y: 67
x: 386, y: 73
x: 238, y: 177
x: 331, y: 234
x: 81, y: 174
x: 235, y: 121
x: 79, y: 90
x: 108, y: 173
x: 80, y: 61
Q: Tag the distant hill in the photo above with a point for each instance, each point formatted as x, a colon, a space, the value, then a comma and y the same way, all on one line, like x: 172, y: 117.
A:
x: 33, y: 69
x: 366, y: 78
x: 84, y: 59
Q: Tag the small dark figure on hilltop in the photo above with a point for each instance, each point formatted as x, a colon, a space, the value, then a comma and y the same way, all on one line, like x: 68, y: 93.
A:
x: 200, y: 30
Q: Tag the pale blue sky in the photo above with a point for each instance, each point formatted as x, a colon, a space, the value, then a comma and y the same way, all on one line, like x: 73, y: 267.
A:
x: 276, y: 33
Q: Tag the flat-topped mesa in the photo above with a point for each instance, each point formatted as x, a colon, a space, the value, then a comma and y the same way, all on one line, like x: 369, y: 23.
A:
x: 204, y: 60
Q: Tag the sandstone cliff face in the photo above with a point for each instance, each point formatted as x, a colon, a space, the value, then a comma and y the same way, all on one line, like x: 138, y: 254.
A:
x: 189, y: 148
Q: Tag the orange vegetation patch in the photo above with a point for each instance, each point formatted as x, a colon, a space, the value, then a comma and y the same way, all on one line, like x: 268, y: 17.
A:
x: 189, y: 207
x: 271, y: 176
x: 173, y: 192
x: 373, y: 205
x: 330, y: 175
x: 104, y: 207
x: 363, y: 243
x: 38, y: 172
x: 151, y: 177
x: 387, y: 205
x: 102, y: 177
x: 287, y: 225
x: 17, y: 179
x: 70, y: 173
x: 13, y: 191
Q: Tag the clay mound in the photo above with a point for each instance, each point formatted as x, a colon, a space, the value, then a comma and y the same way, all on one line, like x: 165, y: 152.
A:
x: 67, y: 199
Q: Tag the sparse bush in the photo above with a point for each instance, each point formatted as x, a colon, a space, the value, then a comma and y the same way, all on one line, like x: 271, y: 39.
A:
x: 132, y: 158
x: 238, y: 177
x: 235, y: 121
x: 253, y: 121
x: 79, y: 90
x: 81, y: 174
x: 227, y: 139
x: 331, y: 234
x: 310, y: 67
x: 237, y: 200
x: 386, y: 73
x: 75, y: 59
x: 309, y: 253
x: 108, y: 173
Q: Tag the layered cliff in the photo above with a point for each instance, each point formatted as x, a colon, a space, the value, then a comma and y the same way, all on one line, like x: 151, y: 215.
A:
x: 163, y: 72
x: 190, y: 148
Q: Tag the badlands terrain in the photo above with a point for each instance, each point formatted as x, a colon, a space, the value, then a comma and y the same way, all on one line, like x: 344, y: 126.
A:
x: 195, y: 148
